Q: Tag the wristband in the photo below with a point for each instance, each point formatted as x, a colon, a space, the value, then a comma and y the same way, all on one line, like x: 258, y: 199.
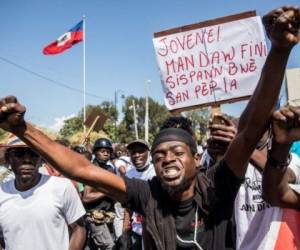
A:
x: 279, y: 164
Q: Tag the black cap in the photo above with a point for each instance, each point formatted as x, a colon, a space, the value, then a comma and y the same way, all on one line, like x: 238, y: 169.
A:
x: 138, y: 142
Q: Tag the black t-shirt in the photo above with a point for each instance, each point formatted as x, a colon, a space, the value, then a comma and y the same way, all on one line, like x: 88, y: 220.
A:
x: 190, y: 225
x: 215, y: 228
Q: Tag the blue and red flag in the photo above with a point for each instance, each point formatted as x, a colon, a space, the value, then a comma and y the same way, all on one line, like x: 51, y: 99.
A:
x: 65, y: 41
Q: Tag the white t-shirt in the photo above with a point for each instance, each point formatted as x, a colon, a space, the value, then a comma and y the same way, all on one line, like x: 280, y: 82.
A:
x: 5, y: 174
x: 39, y: 217
x: 123, y: 161
x: 205, y: 159
x: 256, y: 221
x: 110, y: 163
x: 119, y: 210
x: 142, y: 175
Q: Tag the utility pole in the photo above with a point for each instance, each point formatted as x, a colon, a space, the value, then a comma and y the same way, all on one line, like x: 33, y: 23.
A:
x: 147, y: 110
x: 135, y: 120
x: 116, y: 118
x: 117, y: 91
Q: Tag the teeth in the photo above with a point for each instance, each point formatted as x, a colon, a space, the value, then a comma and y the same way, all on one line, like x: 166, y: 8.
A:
x: 171, y: 171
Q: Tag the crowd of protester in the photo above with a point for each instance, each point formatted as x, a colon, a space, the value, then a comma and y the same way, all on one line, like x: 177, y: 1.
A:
x: 241, y: 192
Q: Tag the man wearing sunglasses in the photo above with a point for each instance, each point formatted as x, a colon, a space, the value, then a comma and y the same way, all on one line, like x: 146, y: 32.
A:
x: 36, y: 209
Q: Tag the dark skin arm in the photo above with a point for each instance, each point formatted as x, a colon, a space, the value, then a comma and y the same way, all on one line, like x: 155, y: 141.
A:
x: 222, y: 133
x: 78, y: 235
x: 286, y: 130
x: 127, y: 220
x: 66, y: 161
x: 90, y: 194
x: 259, y: 159
x: 122, y: 170
x: 282, y: 33
x: 283, y: 29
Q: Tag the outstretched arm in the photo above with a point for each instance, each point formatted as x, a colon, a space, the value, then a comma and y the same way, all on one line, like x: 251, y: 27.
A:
x: 286, y: 129
x: 283, y: 29
x: 66, y: 161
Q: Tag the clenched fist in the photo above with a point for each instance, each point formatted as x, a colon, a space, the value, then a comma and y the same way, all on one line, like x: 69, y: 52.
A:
x: 286, y: 125
x: 283, y: 27
x: 11, y: 114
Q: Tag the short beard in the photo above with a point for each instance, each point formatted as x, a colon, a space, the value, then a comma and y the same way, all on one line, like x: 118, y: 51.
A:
x: 26, y: 180
x: 175, y: 190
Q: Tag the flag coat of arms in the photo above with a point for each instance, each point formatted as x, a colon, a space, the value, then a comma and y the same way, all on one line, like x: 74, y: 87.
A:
x: 65, y: 41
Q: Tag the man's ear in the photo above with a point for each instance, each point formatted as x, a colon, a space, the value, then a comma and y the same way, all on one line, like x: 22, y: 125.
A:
x: 197, y: 159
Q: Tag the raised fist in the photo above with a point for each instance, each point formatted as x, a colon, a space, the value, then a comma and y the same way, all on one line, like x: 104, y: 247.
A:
x: 286, y: 125
x: 283, y: 27
x: 11, y: 114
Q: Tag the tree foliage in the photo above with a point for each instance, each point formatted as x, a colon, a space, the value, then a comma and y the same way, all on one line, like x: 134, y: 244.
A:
x: 123, y: 130
x: 74, y: 125
x: 199, y: 119
x: 76, y: 138
x: 157, y: 114
x: 71, y: 127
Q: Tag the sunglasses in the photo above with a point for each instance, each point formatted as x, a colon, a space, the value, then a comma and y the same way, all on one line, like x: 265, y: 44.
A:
x: 20, y: 153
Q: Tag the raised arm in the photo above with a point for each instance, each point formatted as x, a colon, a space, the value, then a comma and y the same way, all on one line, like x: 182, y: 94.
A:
x: 66, y: 161
x: 286, y: 129
x: 283, y: 29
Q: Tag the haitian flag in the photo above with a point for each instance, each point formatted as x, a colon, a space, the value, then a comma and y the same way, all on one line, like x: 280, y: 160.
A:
x: 65, y: 41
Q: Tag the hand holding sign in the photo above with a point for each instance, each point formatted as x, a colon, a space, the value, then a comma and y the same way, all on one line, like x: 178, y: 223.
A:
x: 283, y: 27
x: 222, y: 129
x: 222, y: 132
x: 11, y: 114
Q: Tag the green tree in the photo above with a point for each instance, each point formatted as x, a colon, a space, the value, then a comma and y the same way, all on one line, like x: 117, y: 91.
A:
x: 106, y: 106
x: 157, y: 114
x: 112, y: 115
x: 75, y: 124
x: 199, y: 119
x: 71, y: 126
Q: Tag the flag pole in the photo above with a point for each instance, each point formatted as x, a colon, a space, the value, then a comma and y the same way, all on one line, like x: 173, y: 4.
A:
x: 83, y: 55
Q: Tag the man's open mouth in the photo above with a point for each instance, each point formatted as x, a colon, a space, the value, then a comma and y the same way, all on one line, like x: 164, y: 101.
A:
x: 171, y: 172
x: 138, y: 162
x: 27, y: 169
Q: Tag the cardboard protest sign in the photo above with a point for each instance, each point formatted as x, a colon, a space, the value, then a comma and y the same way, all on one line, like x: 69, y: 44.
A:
x: 96, y: 120
x: 212, y: 62
x: 293, y: 86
